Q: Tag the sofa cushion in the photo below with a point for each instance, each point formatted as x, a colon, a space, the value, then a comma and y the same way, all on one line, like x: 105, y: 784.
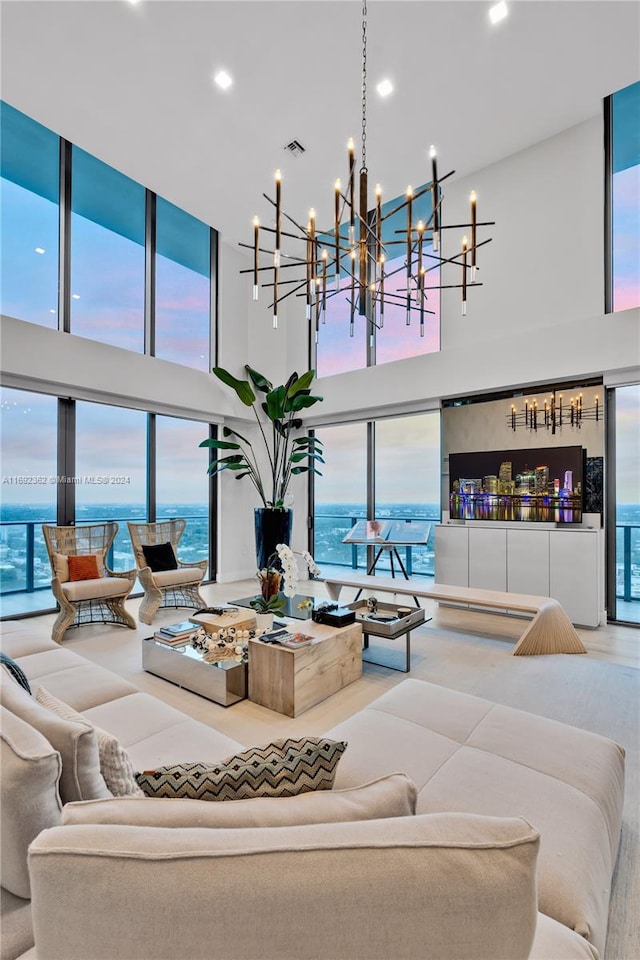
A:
x: 553, y: 940
x: 76, y: 743
x: 115, y: 765
x: 14, y: 670
x: 30, y: 801
x: 83, y: 567
x: 93, y: 589
x: 451, y: 887
x: 72, y: 678
x: 159, y: 556
x: 393, y: 796
x: 172, y: 578
x: 279, y: 769
x: 474, y: 756
x: 155, y: 734
x: 17, y: 929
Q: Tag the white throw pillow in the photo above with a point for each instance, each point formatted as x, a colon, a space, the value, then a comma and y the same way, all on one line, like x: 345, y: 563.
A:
x: 115, y: 765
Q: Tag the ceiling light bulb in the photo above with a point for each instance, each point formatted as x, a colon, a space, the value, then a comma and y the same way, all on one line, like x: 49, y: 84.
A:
x: 75, y: 296
x: 384, y: 88
x: 498, y: 12
x: 432, y: 151
x: 223, y: 79
x: 40, y: 250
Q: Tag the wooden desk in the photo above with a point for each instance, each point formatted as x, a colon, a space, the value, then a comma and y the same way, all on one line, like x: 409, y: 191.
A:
x: 292, y: 681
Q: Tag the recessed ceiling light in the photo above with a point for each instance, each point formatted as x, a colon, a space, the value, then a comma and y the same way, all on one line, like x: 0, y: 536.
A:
x: 51, y: 311
x: 75, y: 296
x: 384, y: 88
x: 498, y: 12
x: 223, y: 79
x: 40, y: 250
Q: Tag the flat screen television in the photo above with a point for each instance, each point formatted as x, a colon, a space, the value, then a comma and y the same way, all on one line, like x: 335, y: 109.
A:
x: 543, y: 485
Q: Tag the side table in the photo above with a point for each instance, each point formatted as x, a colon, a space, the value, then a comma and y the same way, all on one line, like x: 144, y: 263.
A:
x: 292, y: 681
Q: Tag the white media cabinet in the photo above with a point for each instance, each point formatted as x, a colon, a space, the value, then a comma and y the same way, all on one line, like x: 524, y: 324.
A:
x: 563, y: 563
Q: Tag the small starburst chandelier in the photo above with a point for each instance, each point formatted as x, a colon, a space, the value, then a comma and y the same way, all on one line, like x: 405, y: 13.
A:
x: 352, y: 256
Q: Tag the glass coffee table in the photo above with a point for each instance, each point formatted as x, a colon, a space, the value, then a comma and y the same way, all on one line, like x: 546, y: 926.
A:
x: 291, y: 607
x: 223, y: 682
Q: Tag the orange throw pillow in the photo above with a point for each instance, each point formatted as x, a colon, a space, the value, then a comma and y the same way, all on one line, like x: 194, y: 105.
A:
x: 83, y: 568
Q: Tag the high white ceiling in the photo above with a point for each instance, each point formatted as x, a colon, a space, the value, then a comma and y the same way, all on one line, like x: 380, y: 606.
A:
x: 132, y: 84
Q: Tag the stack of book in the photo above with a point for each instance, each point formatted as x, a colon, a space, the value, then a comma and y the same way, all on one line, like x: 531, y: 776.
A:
x: 176, y: 633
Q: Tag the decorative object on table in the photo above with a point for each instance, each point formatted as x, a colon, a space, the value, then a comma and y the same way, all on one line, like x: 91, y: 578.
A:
x: 176, y: 633
x: 281, y: 567
x: 372, y: 605
x: 228, y: 644
x: 277, y: 416
x: 166, y: 580
x: 333, y: 615
x: 312, y: 566
x: 240, y: 619
x: 359, y: 251
x: 94, y: 600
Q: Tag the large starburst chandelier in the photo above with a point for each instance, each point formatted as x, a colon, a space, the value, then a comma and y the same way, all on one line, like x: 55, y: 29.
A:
x: 352, y: 256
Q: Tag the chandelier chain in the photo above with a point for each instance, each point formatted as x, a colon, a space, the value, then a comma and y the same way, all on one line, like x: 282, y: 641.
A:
x: 364, y: 85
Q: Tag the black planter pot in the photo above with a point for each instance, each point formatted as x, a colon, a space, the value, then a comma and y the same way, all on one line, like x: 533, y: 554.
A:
x: 272, y: 527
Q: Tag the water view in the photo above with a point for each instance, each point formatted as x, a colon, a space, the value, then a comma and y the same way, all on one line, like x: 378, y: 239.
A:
x: 24, y: 564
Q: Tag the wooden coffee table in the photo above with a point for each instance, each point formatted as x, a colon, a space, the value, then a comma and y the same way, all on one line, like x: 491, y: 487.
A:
x: 292, y: 681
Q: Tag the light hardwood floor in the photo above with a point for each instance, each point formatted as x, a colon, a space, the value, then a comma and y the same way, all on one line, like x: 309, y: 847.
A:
x: 119, y: 649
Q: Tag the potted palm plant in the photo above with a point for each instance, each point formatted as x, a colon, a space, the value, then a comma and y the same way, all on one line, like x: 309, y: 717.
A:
x: 276, y: 410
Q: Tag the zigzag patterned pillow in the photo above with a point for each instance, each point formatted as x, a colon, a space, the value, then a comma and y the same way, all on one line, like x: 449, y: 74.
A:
x: 279, y: 769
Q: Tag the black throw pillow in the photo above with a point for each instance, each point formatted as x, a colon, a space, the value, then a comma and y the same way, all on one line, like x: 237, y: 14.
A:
x: 15, y: 670
x: 160, y: 556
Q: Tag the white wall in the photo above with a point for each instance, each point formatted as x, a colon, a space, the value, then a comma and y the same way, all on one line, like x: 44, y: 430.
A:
x: 545, y: 264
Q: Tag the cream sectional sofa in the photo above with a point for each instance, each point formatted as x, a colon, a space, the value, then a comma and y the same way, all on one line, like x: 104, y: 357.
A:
x: 510, y: 855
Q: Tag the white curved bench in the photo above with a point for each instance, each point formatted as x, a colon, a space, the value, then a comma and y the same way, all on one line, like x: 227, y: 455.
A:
x: 550, y: 631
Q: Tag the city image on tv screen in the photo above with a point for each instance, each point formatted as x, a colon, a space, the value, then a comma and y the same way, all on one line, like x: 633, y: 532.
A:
x: 543, y: 485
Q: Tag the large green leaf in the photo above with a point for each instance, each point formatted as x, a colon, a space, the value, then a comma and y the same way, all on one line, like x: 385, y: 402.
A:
x: 294, y: 424
x: 241, y: 387
x: 275, y: 404
x: 303, y: 400
x: 307, y: 441
x: 228, y: 432
x: 302, y: 383
x: 298, y: 457
x: 220, y: 445
x: 259, y: 381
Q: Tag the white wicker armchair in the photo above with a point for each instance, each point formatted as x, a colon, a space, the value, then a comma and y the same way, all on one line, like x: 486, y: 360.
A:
x: 177, y: 587
x: 90, y: 599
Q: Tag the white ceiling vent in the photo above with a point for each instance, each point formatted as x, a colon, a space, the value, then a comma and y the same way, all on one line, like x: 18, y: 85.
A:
x: 295, y: 148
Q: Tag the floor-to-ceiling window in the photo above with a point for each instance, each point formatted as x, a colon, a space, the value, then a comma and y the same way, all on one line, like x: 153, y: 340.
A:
x: 28, y: 495
x: 82, y: 462
x: 340, y: 494
x: 107, y: 254
x: 624, y: 193
x: 383, y: 469
x: 407, y: 480
x: 119, y: 264
x: 183, y: 291
x: 29, y: 214
x: 182, y: 482
x: 111, y: 470
x: 627, y: 504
